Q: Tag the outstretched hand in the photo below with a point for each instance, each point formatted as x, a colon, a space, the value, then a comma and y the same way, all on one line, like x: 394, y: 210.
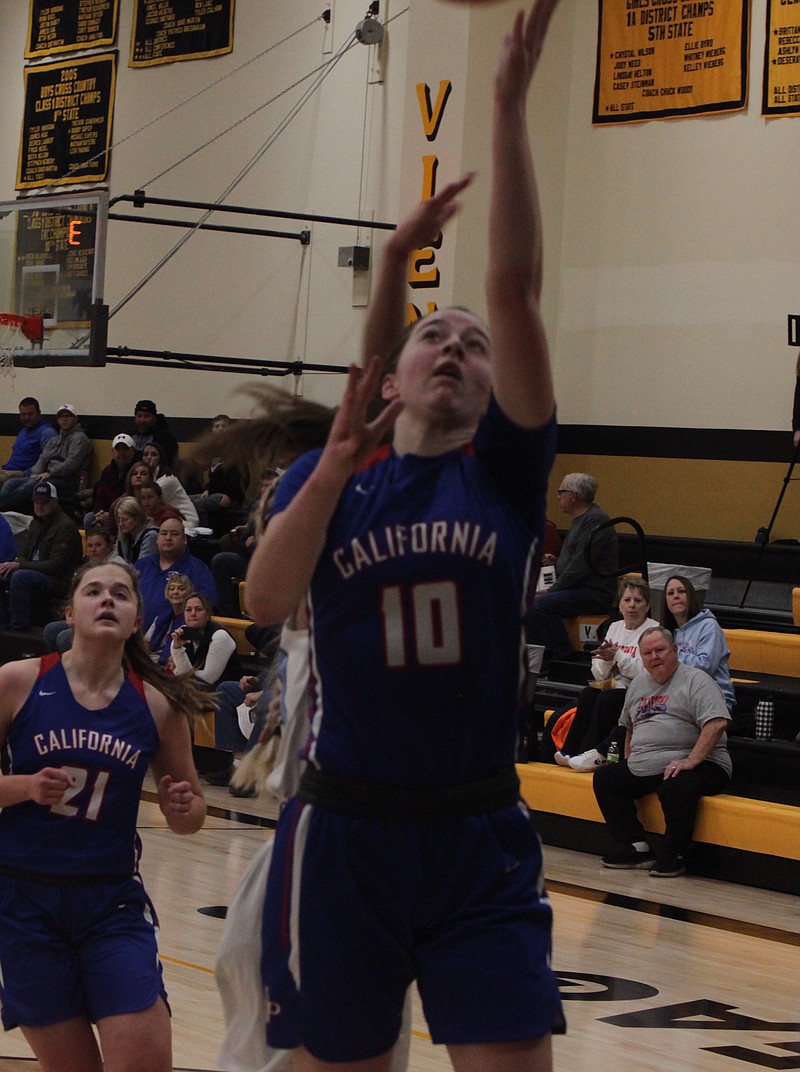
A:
x: 521, y: 50
x: 352, y: 437
x: 422, y: 225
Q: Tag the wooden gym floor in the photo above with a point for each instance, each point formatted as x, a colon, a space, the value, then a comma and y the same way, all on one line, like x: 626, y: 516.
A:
x: 657, y: 974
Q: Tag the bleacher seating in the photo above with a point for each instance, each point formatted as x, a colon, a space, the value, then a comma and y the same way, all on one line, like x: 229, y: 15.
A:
x: 754, y: 842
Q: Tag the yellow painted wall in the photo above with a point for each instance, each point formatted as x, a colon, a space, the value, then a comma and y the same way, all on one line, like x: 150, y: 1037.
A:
x: 707, y: 499
x: 687, y: 497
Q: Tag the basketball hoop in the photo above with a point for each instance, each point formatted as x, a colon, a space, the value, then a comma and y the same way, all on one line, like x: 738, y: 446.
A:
x: 17, y: 327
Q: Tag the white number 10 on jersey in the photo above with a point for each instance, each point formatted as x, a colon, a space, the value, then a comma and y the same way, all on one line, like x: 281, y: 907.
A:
x: 427, y: 623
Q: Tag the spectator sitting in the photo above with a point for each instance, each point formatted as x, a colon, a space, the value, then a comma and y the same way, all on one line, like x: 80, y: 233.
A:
x: 8, y: 543
x: 48, y: 553
x: 172, y: 490
x: 698, y: 635
x: 228, y: 736
x: 111, y: 484
x: 702, y: 645
x: 100, y: 544
x: 136, y: 533
x: 29, y: 443
x: 616, y: 660
x: 675, y: 719
x: 176, y: 591
x: 224, y: 489
x: 576, y: 590
x: 150, y: 426
x: 172, y: 557
x: 151, y: 497
x: 63, y: 458
x: 208, y: 652
x: 230, y: 566
x: 201, y: 647
x: 138, y: 475
x: 236, y: 733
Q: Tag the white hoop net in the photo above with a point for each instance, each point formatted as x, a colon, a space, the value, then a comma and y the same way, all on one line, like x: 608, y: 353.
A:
x: 11, y: 340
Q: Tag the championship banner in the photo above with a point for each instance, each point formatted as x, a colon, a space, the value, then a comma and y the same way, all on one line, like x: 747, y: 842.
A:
x: 781, y: 95
x: 658, y: 59
x: 166, y: 31
x: 55, y: 26
x: 66, y: 125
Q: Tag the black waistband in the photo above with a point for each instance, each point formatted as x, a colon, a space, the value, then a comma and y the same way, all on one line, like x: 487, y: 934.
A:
x: 405, y: 804
x: 63, y: 880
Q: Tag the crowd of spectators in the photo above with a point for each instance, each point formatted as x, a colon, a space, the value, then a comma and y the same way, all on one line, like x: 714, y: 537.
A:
x: 137, y: 494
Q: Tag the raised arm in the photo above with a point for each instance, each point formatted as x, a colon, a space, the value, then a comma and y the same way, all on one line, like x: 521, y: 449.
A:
x: 386, y: 316
x: 520, y: 358
x: 287, y: 553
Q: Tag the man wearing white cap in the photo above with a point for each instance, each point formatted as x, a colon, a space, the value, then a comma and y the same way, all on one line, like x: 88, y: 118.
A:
x: 61, y: 462
x: 112, y: 482
x: 48, y: 553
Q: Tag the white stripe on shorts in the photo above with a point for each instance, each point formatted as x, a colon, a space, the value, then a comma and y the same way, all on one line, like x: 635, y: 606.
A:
x: 298, y: 853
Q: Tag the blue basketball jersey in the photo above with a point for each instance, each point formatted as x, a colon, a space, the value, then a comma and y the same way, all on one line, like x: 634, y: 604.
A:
x: 416, y: 607
x: 92, y: 830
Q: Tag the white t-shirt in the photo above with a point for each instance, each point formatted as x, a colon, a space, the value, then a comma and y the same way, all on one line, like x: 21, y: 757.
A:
x: 627, y: 663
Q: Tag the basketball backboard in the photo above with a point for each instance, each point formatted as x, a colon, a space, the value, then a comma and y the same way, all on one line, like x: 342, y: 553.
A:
x: 52, y: 260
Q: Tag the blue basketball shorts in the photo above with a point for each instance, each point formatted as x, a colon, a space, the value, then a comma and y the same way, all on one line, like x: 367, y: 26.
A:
x: 79, y: 950
x: 357, y: 908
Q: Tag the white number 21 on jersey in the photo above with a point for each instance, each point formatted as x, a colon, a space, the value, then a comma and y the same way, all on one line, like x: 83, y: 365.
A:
x: 81, y: 775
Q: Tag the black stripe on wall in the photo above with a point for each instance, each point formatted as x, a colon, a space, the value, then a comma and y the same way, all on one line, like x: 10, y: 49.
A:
x: 105, y: 427
x: 723, y: 444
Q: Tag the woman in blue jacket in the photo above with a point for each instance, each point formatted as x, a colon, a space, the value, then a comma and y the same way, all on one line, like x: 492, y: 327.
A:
x: 699, y: 636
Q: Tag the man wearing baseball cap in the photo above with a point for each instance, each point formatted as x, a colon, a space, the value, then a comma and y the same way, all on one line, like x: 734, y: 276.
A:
x: 112, y: 482
x: 151, y: 427
x: 48, y: 552
x: 61, y: 462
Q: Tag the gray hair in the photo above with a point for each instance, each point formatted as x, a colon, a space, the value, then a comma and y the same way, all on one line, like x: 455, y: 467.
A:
x: 638, y: 584
x: 665, y: 633
x: 583, y: 486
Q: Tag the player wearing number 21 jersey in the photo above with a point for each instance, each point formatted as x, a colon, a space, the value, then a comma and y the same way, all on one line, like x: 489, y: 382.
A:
x: 107, y: 752
x: 79, y: 968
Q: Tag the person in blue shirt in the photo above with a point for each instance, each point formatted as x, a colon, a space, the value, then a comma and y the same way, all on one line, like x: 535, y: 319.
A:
x: 172, y: 557
x: 32, y: 436
x: 698, y: 635
x: 8, y: 545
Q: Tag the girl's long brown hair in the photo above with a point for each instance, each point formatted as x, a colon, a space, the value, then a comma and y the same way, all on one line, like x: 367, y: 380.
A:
x: 287, y: 426
x: 181, y: 691
x: 692, y: 603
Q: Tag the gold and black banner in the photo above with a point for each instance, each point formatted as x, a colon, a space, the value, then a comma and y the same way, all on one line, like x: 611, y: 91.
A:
x: 166, y: 31
x: 781, y: 95
x: 67, y: 122
x: 659, y: 58
x: 55, y: 26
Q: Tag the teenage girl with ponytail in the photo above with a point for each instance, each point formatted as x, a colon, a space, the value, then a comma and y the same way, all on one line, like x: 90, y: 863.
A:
x: 79, y: 731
